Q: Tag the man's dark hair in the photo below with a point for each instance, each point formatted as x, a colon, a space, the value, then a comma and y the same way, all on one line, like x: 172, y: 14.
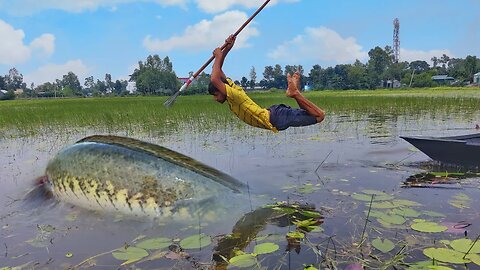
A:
x: 212, y: 89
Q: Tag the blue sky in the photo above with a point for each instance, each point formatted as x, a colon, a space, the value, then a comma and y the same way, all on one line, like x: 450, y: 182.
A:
x: 46, y: 39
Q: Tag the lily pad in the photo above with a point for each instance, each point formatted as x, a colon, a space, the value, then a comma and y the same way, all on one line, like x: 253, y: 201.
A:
x: 462, y: 197
x: 296, y: 234
x: 384, y: 246
x: 475, y: 258
x: 265, y: 248
x: 130, y: 254
x: 428, y: 227
x: 308, y: 189
x: 406, y: 212
x: 155, y: 243
x: 196, y: 241
x: 460, y: 204
x: 243, y: 261
x: 463, y: 245
x: 445, y: 255
x: 393, y: 219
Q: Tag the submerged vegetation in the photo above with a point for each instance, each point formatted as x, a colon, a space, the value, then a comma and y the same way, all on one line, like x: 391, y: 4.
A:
x: 147, y: 114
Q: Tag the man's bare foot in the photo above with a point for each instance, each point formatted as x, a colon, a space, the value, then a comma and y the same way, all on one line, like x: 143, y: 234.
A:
x: 293, y: 82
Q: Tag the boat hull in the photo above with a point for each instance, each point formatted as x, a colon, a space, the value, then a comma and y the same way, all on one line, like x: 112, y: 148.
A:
x: 458, y: 150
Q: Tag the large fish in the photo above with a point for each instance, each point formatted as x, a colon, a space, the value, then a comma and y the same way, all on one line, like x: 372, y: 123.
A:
x: 118, y: 174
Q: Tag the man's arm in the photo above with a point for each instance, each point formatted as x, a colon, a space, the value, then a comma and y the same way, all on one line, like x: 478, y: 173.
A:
x: 218, y: 77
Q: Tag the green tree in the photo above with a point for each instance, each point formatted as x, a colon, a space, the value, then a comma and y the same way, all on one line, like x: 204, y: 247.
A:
x: 2, y: 82
x: 470, y: 67
x: 357, y: 76
x: 314, y: 76
x: 71, y: 85
x: 13, y: 80
x: 377, y: 64
x: 109, y: 83
x: 253, y: 77
x: 269, y: 75
x: 279, y: 79
x: 120, y: 87
x: 435, y: 61
x: 244, y: 82
x: 155, y: 76
x: 200, y: 85
x: 419, y: 66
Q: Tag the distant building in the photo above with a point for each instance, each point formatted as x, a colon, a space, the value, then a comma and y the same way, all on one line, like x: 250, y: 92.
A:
x: 390, y: 84
x: 443, y: 79
x: 476, y: 78
x: 3, y: 92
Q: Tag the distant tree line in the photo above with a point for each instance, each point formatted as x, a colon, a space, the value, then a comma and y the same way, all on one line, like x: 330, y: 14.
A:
x: 156, y: 76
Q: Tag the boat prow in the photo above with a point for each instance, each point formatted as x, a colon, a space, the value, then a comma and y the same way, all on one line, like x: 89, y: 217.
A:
x: 463, y: 150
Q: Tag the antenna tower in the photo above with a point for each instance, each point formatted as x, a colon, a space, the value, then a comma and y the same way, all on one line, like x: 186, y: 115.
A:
x: 396, y: 40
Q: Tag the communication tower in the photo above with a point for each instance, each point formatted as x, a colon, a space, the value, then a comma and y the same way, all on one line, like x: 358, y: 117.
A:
x: 396, y: 40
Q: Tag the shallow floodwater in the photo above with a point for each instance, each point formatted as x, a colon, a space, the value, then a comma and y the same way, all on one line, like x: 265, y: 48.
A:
x: 333, y: 166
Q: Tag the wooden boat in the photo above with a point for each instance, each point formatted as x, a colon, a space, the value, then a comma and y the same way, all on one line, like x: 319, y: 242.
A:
x: 461, y: 150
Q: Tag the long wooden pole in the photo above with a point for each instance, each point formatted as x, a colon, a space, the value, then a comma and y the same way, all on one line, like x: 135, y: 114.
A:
x: 170, y: 101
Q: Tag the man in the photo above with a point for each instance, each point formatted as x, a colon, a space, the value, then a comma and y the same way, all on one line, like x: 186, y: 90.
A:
x: 275, y: 118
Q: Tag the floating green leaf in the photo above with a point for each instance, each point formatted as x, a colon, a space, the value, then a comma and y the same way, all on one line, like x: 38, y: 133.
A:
x: 445, y: 255
x: 475, y: 258
x: 296, y: 234
x: 462, y: 197
x: 69, y: 255
x: 384, y: 246
x: 310, y: 214
x: 459, y: 204
x: 155, y: 243
x: 407, y: 203
x: 463, y: 245
x: 427, y: 265
x: 265, y: 248
x: 130, y: 254
x: 196, y: 241
x: 429, y: 227
x: 406, y: 212
x: 243, y: 261
x: 308, y: 189
x: 393, y: 219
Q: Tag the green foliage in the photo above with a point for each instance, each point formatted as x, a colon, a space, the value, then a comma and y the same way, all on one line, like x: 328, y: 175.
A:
x: 196, y: 241
x: 155, y: 77
x: 384, y: 245
x: 10, y: 95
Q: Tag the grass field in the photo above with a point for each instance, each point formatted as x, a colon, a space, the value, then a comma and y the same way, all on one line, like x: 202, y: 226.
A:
x: 27, y: 117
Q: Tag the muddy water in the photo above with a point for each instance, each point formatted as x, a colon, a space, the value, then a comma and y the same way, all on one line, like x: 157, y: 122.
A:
x: 322, y: 165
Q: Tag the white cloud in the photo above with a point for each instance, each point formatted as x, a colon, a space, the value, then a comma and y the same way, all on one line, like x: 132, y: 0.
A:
x: 205, y: 34
x: 14, y: 51
x: 320, y: 44
x: 31, y: 6
x: 25, y: 7
x: 219, y: 6
x: 45, y: 44
x: 51, y: 72
x: 413, y: 55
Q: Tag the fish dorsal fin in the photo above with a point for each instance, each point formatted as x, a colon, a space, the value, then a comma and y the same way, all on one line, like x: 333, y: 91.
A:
x: 170, y: 156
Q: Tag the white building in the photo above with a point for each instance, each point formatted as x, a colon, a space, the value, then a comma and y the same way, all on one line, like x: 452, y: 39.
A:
x: 476, y: 78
